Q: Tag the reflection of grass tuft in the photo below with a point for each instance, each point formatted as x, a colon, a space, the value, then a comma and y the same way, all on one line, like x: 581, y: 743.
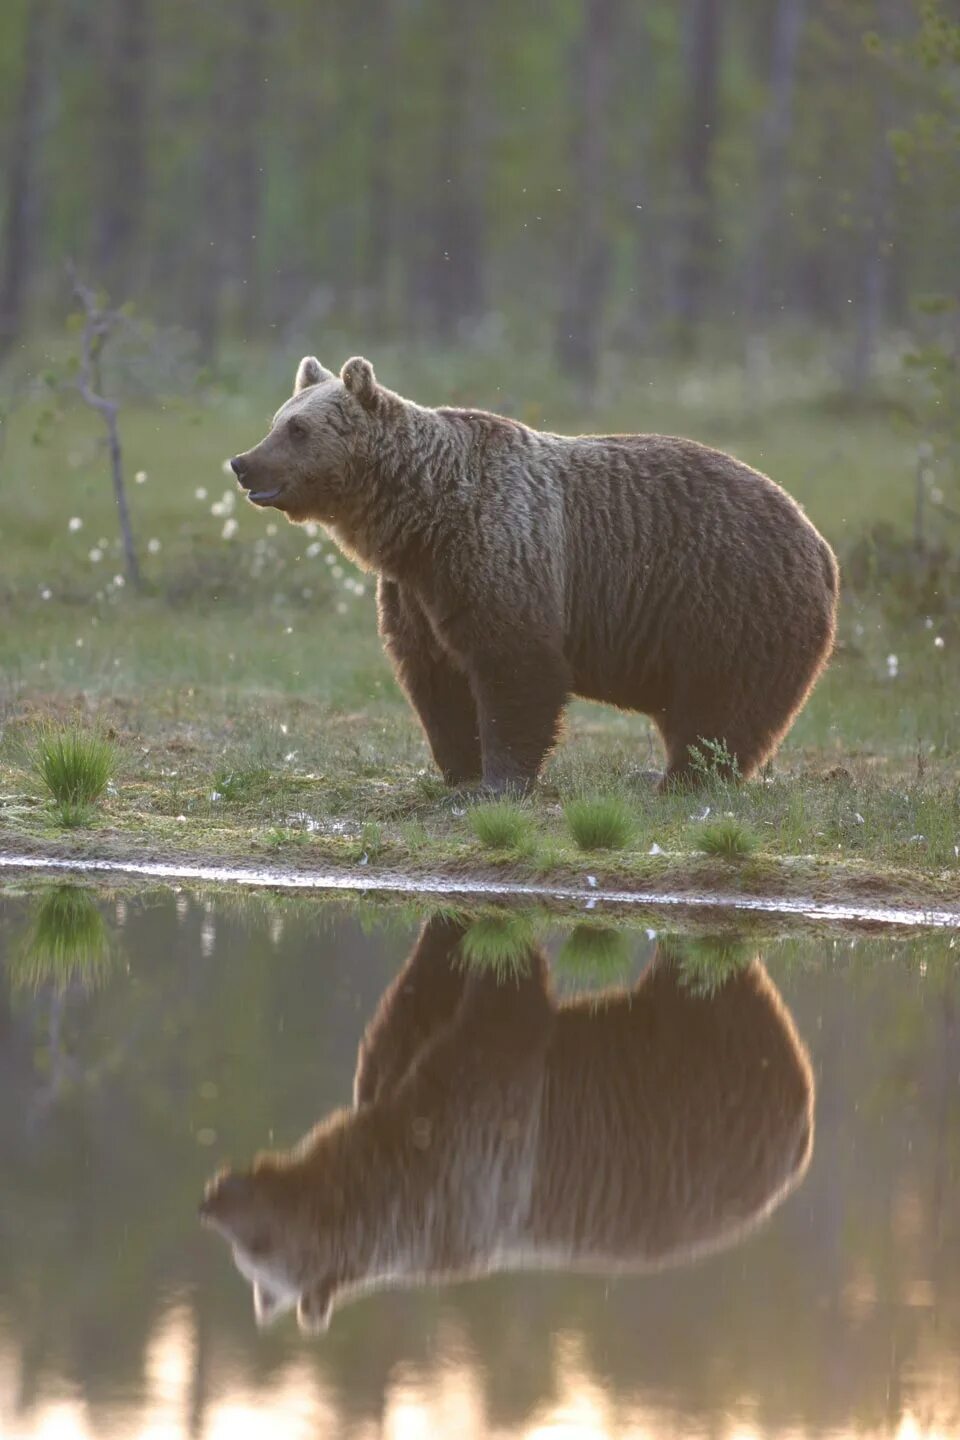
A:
x: 501, y: 943
x: 67, y: 942
x: 74, y: 765
x: 595, y: 951
x: 601, y: 823
x: 708, y: 961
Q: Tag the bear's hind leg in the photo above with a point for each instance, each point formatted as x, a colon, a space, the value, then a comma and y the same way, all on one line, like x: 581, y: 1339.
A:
x: 437, y: 690
x: 732, y: 751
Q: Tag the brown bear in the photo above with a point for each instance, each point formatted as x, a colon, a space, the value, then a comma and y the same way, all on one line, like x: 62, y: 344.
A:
x: 494, y: 1129
x: 518, y: 568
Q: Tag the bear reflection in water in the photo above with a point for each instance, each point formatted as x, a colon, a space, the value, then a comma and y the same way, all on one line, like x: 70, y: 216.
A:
x: 497, y: 1129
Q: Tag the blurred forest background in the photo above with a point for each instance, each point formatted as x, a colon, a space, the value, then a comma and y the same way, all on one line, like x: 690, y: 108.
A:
x: 590, y: 175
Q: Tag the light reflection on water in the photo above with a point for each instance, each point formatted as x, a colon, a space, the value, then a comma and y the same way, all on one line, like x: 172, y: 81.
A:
x: 205, y: 1031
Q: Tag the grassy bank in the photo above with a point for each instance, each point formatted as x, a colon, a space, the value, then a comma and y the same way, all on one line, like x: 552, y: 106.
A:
x: 252, y: 710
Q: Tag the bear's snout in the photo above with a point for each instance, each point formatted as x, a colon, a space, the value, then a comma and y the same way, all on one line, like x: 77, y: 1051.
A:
x: 239, y: 467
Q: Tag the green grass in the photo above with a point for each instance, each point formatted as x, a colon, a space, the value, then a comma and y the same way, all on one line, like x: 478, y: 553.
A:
x: 74, y: 764
x: 501, y: 825
x: 728, y: 838
x: 602, y: 822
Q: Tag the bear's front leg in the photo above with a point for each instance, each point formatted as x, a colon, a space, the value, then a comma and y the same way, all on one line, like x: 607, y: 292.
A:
x: 520, y: 696
x: 437, y: 690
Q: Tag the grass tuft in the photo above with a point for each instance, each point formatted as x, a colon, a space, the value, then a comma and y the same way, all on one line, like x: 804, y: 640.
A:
x: 727, y: 838
x: 75, y: 766
x: 501, y: 825
x: 237, y: 785
x: 603, y: 822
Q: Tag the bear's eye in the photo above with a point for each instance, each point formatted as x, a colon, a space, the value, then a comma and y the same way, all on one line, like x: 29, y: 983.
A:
x: 297, y: 429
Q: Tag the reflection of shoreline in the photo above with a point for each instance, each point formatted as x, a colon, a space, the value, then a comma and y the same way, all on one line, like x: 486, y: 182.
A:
x: 498, y: 1130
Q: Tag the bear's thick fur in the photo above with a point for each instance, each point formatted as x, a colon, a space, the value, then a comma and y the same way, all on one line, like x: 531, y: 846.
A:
x: 518, y: 568
x: 497, y: 1130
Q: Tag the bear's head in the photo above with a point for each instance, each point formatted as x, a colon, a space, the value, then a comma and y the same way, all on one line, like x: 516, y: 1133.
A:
x: 303, y: 465
x: 281, y: 1244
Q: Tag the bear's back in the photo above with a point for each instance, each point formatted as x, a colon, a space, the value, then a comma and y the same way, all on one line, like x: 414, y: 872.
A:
x: 669, y: 1121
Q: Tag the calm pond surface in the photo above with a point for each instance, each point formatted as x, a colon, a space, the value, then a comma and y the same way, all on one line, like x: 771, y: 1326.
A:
x: 567, y: 1182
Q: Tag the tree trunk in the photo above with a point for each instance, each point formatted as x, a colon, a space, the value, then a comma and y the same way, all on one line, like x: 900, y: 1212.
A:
x: 20, y: 222
x: 772, y: 143
x: 581, y: 321
x: 122, y: 150
x: 239, y: 124
x: 698, y: 238
x: 457, y: 283
x: 381, y: 198
x: 873, y: 268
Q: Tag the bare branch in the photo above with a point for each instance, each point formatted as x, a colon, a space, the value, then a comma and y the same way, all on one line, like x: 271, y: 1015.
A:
x: 99, y: 324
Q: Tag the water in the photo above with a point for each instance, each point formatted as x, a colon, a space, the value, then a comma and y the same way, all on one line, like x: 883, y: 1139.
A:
x: 601, y: 1183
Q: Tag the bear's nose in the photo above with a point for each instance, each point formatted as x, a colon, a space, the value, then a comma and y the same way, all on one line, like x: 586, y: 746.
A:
x: 236, y: 465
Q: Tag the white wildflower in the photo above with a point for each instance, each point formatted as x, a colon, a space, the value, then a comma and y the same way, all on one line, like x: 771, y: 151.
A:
x: 200, y: 493
x: 230, y: 528
x: 154, y: 546
x: 74, y: 524
x: 141, y: 477
x: 96, y: 555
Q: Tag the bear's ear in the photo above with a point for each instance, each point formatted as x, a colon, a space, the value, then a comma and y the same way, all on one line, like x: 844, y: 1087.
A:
x: 266, y: 1305
x: 229, y: 1200
x: 310, y: 372
x: 358, y: 377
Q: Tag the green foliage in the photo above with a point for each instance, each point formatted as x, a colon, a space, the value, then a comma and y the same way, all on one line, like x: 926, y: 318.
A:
x: 239, y: 786
x: 74, y: 764
x: 67, y: 943
x: 727, y: 838
x: 600, y: 822
x: 909, y: 580
x: 370, y: 844
x: 501, y: 825
x: 713, y: 763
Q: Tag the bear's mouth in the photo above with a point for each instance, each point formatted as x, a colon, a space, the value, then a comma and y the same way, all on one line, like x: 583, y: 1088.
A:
x: 264, y: 497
